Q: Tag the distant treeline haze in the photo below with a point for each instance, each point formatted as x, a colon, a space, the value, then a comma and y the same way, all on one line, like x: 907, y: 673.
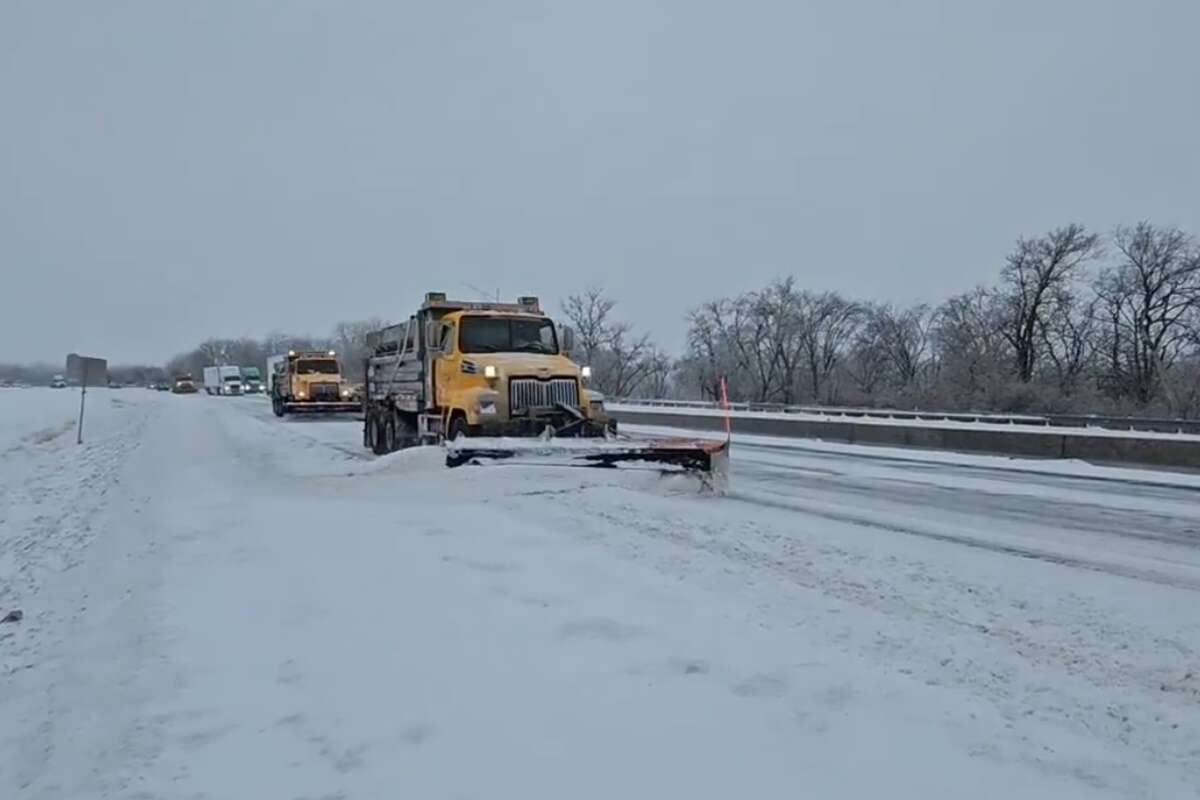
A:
x: 1077, y: 321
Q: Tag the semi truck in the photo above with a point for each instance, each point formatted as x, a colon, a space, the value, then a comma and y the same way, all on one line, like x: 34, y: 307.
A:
x: 309, y: 382
x: 225, y: 380
x: 251, y: 380
x: 477, y: 374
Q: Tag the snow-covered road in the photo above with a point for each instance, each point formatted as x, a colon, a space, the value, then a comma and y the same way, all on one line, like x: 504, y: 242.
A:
x: 219, y: 604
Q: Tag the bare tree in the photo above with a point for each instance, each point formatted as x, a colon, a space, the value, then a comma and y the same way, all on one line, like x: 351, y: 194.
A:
x: 970, y: 348
x: 617, y: 355
x: 740, y: 336
x: 214, y: 352
x: 1070, y: 337
x: 660, y: 368
x: 1038, y: 277
x: 905, y: 335
x: 868, y: 363
x: 770, y: 338
x: 350, y: 343
x: 1151, y: 299
x: 710, y: 358
x: 827, y: 324
x: 624, y: 363
x: 590, y: 315
x: 1181, y: 387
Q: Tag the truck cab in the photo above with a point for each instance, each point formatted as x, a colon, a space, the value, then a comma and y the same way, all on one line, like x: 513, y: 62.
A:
x: 500, y: 372
x: 251, y: 380
x: 223, y: 380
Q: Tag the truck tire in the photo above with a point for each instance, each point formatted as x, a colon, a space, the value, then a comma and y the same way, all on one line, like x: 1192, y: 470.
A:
x: 458, y: 428
x: 389, y: 434
x: 277, y: 406
x: 376, y: 434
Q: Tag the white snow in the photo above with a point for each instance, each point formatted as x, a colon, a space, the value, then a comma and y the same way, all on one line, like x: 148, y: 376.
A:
x: 253, y: 607
x: 906, y: 423
x: 50, y: 489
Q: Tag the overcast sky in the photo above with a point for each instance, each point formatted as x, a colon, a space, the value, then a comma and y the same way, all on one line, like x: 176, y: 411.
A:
x: 176, y: 170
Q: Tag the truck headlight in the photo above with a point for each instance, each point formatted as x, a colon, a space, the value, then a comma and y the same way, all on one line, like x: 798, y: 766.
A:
x: 345, y: 392
x: 490, y: 372
x: 300, y: 394
x: 586, y: 372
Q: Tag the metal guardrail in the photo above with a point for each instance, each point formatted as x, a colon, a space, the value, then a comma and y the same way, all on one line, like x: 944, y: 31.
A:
x: 1140, y: 424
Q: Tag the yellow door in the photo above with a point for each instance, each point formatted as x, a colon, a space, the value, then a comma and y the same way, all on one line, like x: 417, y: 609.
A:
x: 446, y: 369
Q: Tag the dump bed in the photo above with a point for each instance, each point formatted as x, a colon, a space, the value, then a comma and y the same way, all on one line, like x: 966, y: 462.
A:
x: 395, y: 372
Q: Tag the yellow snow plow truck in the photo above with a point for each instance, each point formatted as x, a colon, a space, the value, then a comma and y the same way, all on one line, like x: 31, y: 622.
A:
x: 308, y: 382
x: 494, y: 381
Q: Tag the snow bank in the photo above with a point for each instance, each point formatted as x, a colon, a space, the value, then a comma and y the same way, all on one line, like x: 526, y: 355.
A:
x: 50, y: 492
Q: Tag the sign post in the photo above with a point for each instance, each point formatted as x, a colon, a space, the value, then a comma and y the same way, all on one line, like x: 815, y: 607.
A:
x: 85, y: 370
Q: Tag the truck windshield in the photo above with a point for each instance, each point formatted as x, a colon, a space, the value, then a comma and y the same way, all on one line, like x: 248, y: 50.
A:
x: 232, y: 379
x: 507, y: 335
x: 313, y: 366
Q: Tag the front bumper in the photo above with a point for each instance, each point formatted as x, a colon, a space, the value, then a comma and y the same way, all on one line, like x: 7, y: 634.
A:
x: 533, y: 425
x: 326, y: 406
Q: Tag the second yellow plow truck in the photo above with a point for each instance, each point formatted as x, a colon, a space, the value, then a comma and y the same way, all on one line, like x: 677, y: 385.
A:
x: 496, y: 383
x: 309, y: 382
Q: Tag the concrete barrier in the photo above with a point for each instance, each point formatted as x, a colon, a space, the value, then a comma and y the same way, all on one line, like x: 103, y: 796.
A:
x: 1027, y: 444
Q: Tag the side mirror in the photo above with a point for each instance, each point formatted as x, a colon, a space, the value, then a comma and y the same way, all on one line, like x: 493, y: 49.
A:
x: 568, y: 340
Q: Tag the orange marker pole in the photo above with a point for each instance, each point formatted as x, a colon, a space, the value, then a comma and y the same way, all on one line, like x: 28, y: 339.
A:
x: 728, y: 415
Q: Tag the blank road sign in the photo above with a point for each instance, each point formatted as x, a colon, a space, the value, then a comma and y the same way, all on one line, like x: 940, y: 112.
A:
x: 88, y: 371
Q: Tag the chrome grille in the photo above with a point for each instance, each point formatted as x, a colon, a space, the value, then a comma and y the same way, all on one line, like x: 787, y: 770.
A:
x: 324, y: 391
x: 526, y: 393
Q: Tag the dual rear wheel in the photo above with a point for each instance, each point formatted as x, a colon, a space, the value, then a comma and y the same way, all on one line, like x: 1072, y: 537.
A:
x: 388, y: 432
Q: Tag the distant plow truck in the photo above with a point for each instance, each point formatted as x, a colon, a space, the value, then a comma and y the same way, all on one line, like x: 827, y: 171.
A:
x: 478, y: 375
x: 308, y: 382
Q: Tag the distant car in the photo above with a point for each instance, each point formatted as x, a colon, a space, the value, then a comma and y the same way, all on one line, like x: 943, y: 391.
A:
x: 161, y: 387
x: 58, y: 382
x: 116, y: 385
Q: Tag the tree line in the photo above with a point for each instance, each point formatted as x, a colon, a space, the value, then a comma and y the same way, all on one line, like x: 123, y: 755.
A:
x: 1077, y: 321
x: 347, y: 339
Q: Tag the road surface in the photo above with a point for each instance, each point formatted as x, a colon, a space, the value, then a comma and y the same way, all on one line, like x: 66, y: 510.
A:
x: 222, y: 604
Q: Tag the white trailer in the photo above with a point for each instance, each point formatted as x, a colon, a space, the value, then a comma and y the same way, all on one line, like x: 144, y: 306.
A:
x: 223, y: 380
